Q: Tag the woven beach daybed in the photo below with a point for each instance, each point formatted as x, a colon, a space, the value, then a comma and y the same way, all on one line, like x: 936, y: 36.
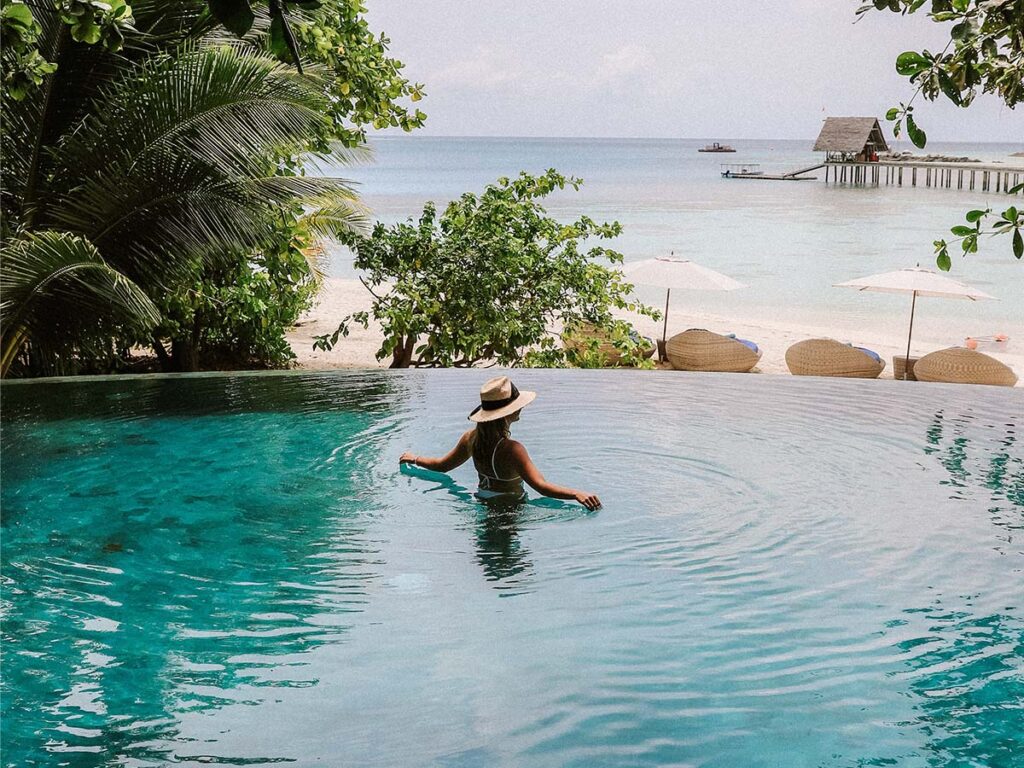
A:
x: 828, y: 357
x: 958, y: 365
x: 580, y: 337
x: 700, y: 350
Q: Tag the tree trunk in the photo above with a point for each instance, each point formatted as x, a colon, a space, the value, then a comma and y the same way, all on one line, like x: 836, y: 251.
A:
x: 402, y: 356
x: 184, y: 354
x: 166, y: 364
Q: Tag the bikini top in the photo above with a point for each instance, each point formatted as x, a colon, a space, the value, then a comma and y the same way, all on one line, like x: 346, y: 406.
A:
x: 486, y: 478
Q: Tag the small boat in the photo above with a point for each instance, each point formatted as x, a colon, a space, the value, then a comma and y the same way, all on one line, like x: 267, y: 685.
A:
x: 740, y: 170
x: 716, y: 147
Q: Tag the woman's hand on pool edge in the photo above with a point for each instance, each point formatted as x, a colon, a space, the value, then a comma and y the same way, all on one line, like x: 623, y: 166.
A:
x: 407, y: 458
x: 588, y: 500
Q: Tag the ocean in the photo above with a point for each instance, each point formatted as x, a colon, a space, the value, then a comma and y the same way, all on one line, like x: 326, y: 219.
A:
x: 787, y: 242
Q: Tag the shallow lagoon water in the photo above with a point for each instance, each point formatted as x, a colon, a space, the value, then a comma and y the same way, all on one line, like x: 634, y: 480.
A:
x: 787, y: 242
x: 231, y: 570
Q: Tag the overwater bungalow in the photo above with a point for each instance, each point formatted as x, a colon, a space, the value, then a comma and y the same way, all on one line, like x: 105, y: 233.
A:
x: 851, y: 139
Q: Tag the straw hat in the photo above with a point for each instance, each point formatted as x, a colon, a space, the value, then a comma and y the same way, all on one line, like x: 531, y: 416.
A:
x: 499, y: 398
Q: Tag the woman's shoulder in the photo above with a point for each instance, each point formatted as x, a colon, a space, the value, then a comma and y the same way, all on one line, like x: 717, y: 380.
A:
x: 513, y: 447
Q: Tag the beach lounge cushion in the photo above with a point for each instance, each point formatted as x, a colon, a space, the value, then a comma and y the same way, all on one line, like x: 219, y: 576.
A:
x: 828, y: 357
x: 579, y: 337
x: 871, y: 353
x: 701, y: 350
x: 958, y: 365
x: 747, y: 342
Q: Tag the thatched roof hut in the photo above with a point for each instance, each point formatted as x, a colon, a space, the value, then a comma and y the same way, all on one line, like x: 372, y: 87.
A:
x: 851, y: 136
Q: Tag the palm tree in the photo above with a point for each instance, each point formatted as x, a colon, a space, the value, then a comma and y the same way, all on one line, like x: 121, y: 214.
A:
x: 129, y: 169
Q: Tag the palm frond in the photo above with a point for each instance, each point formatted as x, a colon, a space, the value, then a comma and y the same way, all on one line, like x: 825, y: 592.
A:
x: 338, y: 219
x: 53, y: 281
x: 230, y: 109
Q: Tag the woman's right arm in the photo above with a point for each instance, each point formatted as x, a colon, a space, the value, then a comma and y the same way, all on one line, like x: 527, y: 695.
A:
x: 533, y: 477
x: 456, y: 457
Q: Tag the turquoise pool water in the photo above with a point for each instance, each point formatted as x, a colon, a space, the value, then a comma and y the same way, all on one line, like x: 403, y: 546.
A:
x: 231, y: 570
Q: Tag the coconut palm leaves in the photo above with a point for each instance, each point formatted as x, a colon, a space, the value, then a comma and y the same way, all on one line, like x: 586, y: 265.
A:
x: 177, y: 161
x: 53, y: 281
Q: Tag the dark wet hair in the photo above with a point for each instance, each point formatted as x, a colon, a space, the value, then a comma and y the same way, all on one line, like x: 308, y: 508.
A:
x: 488, y: 435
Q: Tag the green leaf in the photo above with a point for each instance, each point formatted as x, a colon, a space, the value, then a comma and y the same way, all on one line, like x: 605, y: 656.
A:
x: 235, y: 15
x: 942, y: 261
x: 892, y: 114
x: 282, y: 42
x: 917, y: 136
x: 910, y: 63
x: 86, y: 32
x: 1010, y: 214
x: 19, y: 13
x: 278, y: 44
x: 948, y: 88
x: 961, y: 231
x: 1018, y: 244
x: 975, y: 216
x: 1016, y: 189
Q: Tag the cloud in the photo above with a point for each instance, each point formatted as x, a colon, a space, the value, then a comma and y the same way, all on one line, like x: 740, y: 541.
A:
x: 623, y: 63
x: 499, y: 68
x: 486, y: 67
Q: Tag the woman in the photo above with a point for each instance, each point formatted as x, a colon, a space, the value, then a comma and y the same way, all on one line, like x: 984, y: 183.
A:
x: 501, y: 463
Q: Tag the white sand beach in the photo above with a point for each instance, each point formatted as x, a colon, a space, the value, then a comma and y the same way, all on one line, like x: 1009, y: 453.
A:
x: 932, y: 330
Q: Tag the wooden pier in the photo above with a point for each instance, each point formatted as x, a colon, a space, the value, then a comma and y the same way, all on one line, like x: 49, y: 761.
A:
x: 969, y: 176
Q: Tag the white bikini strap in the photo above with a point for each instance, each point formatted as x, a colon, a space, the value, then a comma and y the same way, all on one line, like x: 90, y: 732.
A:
x: 494, y: 454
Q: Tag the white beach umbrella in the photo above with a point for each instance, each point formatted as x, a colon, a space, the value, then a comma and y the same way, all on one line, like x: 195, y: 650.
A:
x: 917, y: 282
x: 669, y: 272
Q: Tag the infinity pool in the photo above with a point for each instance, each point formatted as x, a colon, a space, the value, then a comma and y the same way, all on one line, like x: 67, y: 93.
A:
x: 231, y: 570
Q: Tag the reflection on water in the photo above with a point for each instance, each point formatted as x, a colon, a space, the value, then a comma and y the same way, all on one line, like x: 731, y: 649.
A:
x: 233, y: 570
x: 983, y: 453
x: 496, y: 525
x: 499, y: 548
x: 965, y: 673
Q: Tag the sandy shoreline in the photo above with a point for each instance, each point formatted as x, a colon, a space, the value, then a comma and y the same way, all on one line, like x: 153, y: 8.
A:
x: 340, y: 297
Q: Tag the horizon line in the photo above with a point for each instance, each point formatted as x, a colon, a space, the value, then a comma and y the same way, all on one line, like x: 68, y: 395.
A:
x: 413, y: 134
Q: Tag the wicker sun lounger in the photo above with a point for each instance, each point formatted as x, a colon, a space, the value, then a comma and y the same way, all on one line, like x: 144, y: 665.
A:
x: 958, y: 365
x: 828, y: 357
x: 700, y: 350
x: 580, y: 337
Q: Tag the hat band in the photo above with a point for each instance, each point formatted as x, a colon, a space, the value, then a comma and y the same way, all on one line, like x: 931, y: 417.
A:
x: 497, y: 405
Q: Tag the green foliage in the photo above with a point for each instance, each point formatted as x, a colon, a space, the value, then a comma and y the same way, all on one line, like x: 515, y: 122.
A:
x: 170, y: 167
x: 616, y: 344
x: 1009, y: 222
x: 235, y: 313
x: 488, y: 279
x: 96, y: 21
x: 52, y: 283
x: 103, y: 22
x: 367, y: 86
x: 984, y: 54
x: 236, y: 15
x: 23, y: 66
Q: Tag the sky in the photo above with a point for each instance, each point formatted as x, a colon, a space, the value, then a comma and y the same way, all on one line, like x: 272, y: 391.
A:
x: 731, y: 69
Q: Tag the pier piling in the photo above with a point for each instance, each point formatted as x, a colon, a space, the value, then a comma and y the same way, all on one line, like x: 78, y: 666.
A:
x: 969, y: 176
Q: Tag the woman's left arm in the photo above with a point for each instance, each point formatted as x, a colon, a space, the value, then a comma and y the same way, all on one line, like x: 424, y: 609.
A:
x: 456, y: 457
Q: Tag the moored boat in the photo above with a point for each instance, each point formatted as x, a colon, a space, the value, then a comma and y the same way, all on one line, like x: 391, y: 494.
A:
x: 741, y: 170
x: 716, y: 147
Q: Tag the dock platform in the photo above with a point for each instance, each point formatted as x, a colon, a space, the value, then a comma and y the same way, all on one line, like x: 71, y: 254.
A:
x: 971, y: 176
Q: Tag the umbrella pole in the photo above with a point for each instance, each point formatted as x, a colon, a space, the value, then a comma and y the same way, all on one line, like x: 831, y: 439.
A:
x: 906, y: 365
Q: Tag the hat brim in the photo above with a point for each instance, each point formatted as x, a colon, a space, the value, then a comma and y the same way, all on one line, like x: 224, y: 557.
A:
x: 524, y: 399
